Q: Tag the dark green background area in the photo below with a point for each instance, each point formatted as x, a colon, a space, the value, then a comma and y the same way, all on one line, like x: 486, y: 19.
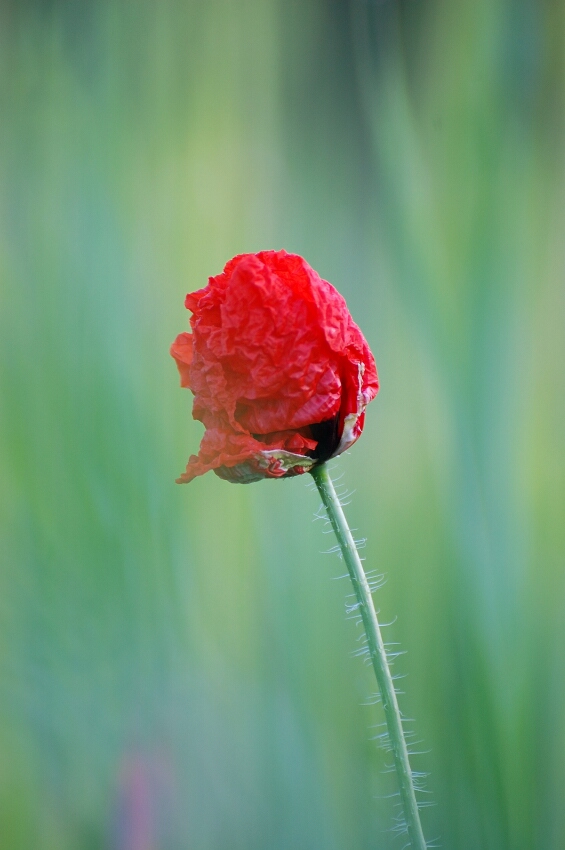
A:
x: 176, y: 666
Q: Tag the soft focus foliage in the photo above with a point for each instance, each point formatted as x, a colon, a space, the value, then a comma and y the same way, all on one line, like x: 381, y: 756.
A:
x: 175, y: 667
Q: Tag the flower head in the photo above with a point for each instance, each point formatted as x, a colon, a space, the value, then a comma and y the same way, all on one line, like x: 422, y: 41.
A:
x: 280, y: 372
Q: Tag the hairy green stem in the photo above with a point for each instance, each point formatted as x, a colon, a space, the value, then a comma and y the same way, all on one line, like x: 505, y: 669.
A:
x: 377, y: 652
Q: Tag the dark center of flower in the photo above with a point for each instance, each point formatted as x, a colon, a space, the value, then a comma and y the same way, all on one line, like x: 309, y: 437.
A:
x: 326, y: 433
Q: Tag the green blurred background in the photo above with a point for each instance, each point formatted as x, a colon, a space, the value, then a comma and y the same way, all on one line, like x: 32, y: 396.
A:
x: 176, y: 666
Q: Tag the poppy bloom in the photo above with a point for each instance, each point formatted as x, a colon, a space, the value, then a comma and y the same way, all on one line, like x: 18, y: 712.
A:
x: 280, y: 372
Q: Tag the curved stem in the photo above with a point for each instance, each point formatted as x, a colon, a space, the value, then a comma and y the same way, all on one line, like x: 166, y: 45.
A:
x: 377, y: 651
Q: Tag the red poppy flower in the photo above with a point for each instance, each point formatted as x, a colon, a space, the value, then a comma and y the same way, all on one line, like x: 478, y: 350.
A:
x: 280, y: 372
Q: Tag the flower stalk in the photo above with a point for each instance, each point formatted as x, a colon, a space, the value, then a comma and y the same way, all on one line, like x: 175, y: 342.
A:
x: 377, y: 652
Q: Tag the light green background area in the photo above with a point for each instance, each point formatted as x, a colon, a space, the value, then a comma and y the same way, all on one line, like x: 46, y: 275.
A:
x: 176, y: 665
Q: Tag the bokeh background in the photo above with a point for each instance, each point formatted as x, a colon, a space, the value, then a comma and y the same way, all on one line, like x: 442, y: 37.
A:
x: 176, y: 666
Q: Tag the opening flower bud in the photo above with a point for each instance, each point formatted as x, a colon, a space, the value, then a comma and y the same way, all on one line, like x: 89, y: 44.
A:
x: 280, y: 372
